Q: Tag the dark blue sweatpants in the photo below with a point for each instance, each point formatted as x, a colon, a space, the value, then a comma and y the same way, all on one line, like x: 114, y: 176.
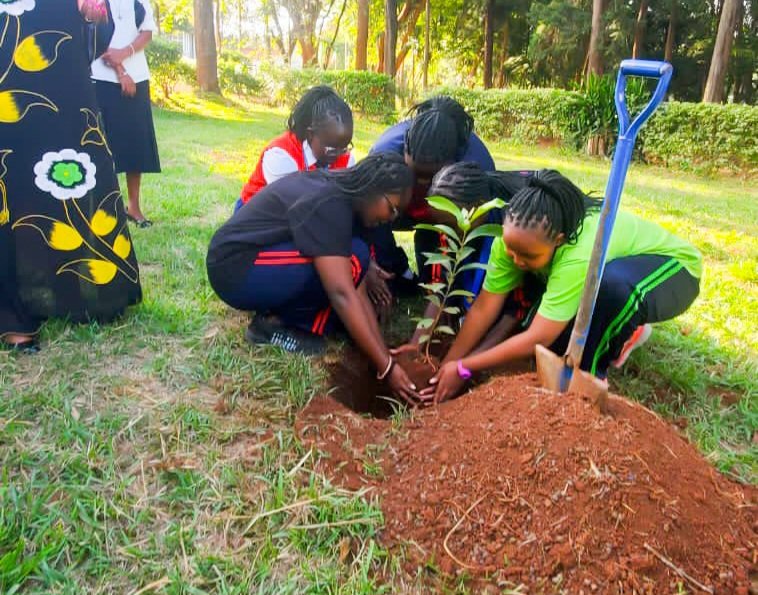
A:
x: 635, y: 290
x: 283, y: 282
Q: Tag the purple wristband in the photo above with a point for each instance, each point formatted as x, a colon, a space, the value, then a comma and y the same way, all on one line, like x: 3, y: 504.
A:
x: 463, y: 372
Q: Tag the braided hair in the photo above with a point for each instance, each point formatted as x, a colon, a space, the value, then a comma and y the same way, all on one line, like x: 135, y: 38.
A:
x: 439, y: 131
x: 552, y: 202
x: 319, y: 106
x: 374, y: 175
x: 467, y: 184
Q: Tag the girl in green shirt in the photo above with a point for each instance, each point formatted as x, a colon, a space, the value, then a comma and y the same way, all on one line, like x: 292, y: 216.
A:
x: 536, y: 276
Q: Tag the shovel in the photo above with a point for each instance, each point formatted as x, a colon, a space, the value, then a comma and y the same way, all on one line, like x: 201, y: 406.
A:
x: 560, y: 374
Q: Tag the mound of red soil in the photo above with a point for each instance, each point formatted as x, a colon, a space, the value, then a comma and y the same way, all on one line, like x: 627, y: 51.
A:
x: 514, y: 485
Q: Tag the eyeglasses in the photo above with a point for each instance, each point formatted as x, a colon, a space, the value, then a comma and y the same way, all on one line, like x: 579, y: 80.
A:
x: 394, y: 213
x: 333, y: 152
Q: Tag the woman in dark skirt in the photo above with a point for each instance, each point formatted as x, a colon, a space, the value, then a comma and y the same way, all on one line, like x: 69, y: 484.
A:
x: 122, y: 85
x: 65, y: 249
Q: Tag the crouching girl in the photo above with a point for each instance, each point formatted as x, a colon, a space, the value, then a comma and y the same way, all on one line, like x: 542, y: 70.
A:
x: 537, y: 273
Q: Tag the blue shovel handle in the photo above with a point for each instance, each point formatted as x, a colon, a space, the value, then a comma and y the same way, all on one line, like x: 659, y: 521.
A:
x: 621, y: 158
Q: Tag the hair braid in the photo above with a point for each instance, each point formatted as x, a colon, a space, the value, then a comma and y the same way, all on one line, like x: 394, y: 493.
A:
x: 551, y: 201
x: 319, y: 106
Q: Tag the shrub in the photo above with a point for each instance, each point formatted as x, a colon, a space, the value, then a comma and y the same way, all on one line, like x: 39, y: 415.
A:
x: 702, y: 136
x: 522, y: 114
x: 167, y: 68
x: 369, y: 93
x: 235, y: 75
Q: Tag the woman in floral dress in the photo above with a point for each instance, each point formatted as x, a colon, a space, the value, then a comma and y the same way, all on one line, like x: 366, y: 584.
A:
x: 65, y: 250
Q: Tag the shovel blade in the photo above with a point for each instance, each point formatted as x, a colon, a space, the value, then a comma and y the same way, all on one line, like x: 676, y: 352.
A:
x: 550, y: 368
x: 588, y: 385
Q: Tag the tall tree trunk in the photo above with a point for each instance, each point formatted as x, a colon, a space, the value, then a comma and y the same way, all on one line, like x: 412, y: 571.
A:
x: 594, y: 58
x: 668, y: 53
x: 427, y: 41
x: 639, y: 29
x: 504, y: 48
x: 407, y: 23
x: 390, y: 36
x: 217, y: 22
x: 308, y: 51
x: 489, y: 41
x: 205, y: 47
x: 361, y: 43
x: 714, y: 85
x: 380, y: 52
x: 157, y: 14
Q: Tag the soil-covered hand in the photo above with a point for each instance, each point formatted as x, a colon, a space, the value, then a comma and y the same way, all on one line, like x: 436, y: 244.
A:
x: 402, y: 386
x: 376, y: 285
x: 445, y: 384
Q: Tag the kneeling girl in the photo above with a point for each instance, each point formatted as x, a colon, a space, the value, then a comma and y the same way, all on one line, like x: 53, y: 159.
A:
x: 537, y: 272
x: 292, y: 255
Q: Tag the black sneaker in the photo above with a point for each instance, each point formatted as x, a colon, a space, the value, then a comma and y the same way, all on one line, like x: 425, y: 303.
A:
x: 264, y: 332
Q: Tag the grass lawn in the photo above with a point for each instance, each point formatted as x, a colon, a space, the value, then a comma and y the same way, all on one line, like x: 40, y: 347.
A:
x: 157, y: 454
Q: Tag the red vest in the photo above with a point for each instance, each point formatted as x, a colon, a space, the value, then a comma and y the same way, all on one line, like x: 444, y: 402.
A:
x: 290, y: 143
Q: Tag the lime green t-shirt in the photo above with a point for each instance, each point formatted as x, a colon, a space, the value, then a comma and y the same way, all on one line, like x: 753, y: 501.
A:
x: 566, y: 273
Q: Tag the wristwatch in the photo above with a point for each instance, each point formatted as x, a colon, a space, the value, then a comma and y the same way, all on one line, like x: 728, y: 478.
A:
x: 463, y: 372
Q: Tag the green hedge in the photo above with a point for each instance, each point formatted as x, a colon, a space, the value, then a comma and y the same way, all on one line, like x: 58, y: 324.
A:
x: 521, y: 114
x: 167, y: 68
x: 235, y: 75
x: 369, y: 93
x: 703, y: 137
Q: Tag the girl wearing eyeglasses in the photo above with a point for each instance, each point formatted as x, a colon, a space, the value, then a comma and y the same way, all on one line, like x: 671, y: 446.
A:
x: 293, y: 255
x: 319, y: 136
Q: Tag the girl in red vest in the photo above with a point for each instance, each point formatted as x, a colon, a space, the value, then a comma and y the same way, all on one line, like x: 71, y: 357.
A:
x: 319, y: 136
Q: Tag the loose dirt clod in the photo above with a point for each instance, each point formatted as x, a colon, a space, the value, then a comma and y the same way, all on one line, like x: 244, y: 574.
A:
x: 514, y: 484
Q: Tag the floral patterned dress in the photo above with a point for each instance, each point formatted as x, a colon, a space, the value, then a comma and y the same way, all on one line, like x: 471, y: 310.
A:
x: 65, y: 250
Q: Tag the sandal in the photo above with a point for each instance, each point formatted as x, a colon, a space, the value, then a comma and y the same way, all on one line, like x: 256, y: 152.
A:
x: 141, y: 223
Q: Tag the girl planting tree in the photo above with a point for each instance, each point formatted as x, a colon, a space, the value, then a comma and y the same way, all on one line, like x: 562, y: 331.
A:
x: 537, y: 272
x: 293, y: 256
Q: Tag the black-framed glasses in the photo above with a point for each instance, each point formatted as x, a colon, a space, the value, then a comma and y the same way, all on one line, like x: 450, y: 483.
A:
x: 338, y: 151
x: 394, y: 213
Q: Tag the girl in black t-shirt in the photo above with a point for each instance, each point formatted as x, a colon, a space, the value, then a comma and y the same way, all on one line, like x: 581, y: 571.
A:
x: 293, y: 256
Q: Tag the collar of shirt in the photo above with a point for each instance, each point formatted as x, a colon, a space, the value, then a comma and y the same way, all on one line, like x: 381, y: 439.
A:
x: 308, y: 156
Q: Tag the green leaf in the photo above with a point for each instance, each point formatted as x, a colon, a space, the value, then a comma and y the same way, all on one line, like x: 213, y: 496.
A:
x: 434, y: 299
x: 445, y: 330
x: 444, y: 204
x: 464, y: 253
x: 472, y: 266
x: 443, y: 259
x: 440, y: 228
x: 433, y: 287
x: 462, y: 293
x: 424, y: 323
x: 452, y: 310
x: 492, y: 230
x: 424, y: 339
x: 495, y: 203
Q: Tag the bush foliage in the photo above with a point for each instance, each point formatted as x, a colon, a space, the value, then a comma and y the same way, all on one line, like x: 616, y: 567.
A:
x: 703, y: 137
x: 167, y: 68
x: 369, y: 93
x: 235, y: 75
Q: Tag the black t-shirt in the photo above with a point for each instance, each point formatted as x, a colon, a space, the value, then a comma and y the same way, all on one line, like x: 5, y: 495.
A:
x: 306, y: 208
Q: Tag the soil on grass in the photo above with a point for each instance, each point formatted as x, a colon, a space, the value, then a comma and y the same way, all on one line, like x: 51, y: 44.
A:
x: 513, y: 485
